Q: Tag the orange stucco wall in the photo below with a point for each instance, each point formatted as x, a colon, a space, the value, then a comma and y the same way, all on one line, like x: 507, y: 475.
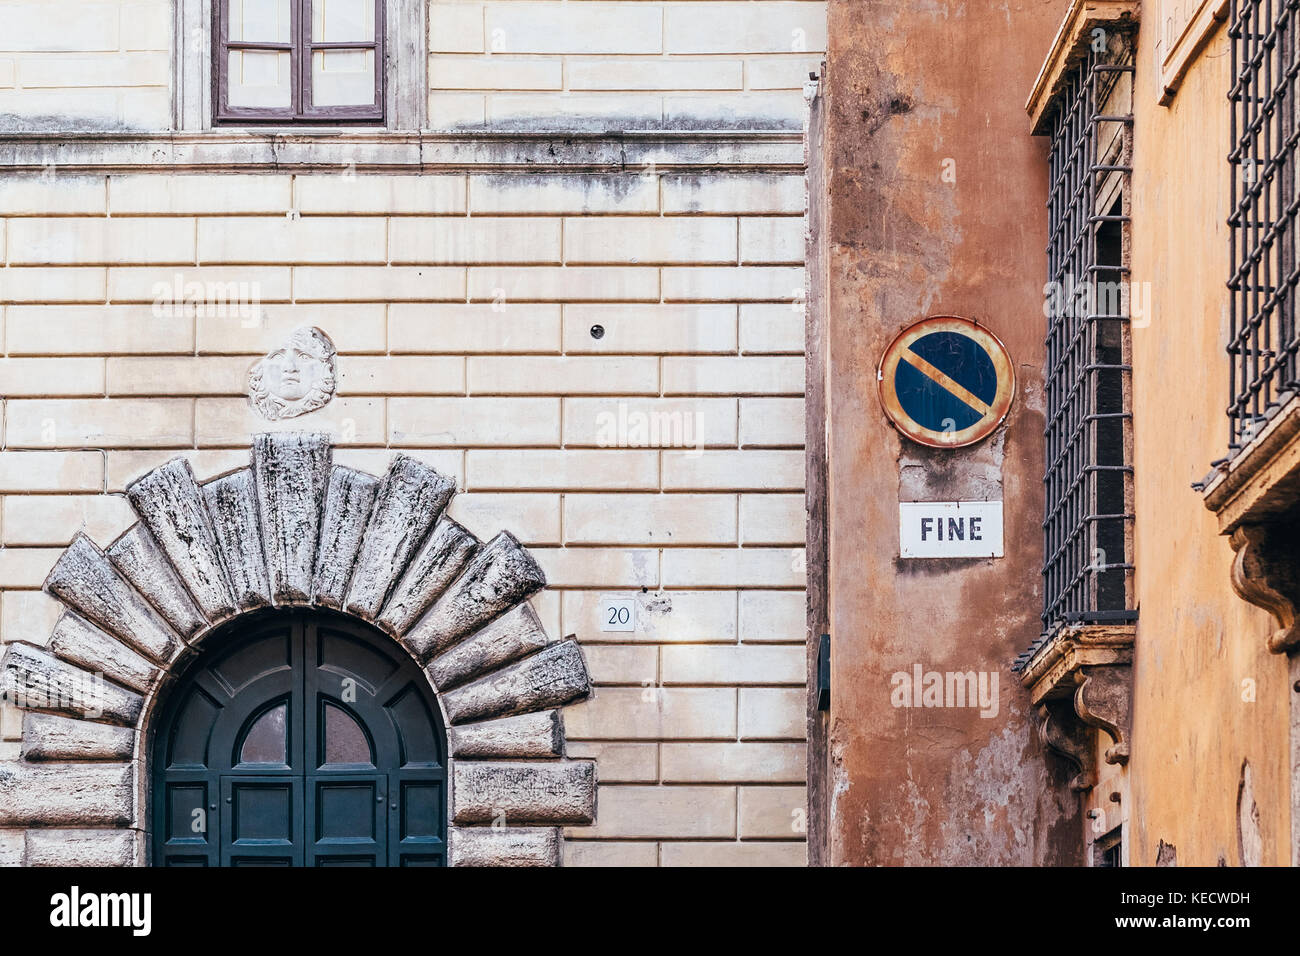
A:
x: 913, y: 90
x: 1197, y: 642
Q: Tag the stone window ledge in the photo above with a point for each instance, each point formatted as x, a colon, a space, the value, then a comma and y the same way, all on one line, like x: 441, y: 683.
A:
x: 1187, y: 46
x: 1080, y: 680
x: 1256, y: 497
x: 1072, y: 39
x: 376, y: 150
x: 1262, y: 481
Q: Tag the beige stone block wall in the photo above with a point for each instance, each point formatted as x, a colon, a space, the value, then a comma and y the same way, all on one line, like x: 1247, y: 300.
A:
x: 662, y: 461
x: 103, y: 64
x: 510, y: 64
x: 622, y: 64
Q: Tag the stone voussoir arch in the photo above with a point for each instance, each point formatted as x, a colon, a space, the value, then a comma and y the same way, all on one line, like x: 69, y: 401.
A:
x: 293, y: 529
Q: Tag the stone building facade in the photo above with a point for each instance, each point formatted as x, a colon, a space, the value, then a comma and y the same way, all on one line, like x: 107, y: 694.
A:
x: 556, y: 270
x: 1113, y: 196
x: 463, y: 352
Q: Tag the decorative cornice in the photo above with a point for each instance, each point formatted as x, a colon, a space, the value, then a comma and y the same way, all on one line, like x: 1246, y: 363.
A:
x: 1080, y: 679
x: 376, y: 151
x: 1048, y: 674
x: 1071, y: 41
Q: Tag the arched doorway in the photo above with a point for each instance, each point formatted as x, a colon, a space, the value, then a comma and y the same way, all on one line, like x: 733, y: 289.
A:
x: 294, y: 538
x: 304, y: 738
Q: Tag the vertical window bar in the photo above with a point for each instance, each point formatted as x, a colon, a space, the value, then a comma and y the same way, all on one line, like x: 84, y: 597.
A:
x: 1263, y: 342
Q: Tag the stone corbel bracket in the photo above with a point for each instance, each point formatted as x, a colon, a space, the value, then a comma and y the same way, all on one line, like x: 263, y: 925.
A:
x: 1255, y: 497
x: 1103, y: 698
x: 1264, y: 573
x: 1081, y: 679
x: 1069, y: 739
x: 293, y: 530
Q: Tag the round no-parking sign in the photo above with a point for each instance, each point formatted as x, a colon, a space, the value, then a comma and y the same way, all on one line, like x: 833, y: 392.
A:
x: 946, y: 382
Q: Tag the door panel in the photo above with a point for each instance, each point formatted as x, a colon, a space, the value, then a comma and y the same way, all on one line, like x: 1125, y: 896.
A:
x: 252, y: 661
x: 261, y: 818
x: 306, y: 740
x: 349, y: 820
x: 419, y: 820
x: 419, y: 732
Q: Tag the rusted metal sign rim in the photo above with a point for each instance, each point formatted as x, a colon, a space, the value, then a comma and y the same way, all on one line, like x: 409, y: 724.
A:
x: 946, y: 382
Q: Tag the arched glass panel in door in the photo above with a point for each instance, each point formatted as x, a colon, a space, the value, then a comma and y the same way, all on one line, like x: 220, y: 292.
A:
x: 300, y: 739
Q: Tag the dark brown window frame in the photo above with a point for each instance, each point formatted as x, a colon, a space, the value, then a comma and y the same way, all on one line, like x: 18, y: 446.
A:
x: 301, y: 49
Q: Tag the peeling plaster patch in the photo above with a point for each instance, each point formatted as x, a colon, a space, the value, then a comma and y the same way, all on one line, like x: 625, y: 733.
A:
x: 1001, y: 784
x: 939, y: 475
x: 641, y: 568
x: 1166, y: 854
x: 905, y: 249
x: 1032, y: 394
x: 659, y: 605
x: 840, y: 782
x: 912, y: 846
x: 654, y: 614
x: 1250, y: 841
x: 884, y: 108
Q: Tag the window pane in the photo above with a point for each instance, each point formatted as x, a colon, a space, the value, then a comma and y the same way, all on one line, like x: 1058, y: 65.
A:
x: 264, y: 21
x: 260, y: 78
x: 343, y: 78
x: 342, y: 21
x: 266, y: 740
x: 345, y: 741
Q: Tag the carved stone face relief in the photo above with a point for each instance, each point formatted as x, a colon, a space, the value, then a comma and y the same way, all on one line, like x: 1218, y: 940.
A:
x: 296, y: 378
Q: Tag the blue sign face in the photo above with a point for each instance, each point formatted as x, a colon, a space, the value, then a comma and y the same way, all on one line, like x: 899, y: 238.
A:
x: 946, y: 382
x: 926, y: 390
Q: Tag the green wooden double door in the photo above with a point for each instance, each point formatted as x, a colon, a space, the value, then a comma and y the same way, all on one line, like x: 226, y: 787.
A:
x: 302, y: 739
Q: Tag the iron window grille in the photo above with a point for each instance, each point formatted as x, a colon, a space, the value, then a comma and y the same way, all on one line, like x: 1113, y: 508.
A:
x: 1264, y: 343
x: 1088, y: 524
x: 297, y: 41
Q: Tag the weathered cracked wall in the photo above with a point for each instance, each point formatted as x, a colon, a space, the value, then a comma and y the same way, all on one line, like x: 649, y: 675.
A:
x: 1208, y: 695
x: 912, y: 90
